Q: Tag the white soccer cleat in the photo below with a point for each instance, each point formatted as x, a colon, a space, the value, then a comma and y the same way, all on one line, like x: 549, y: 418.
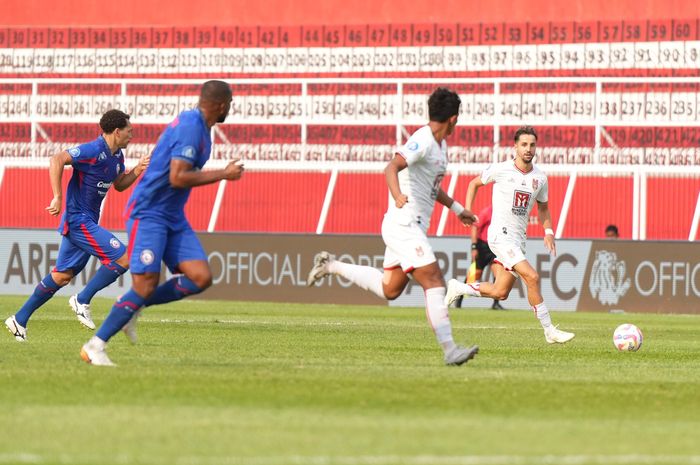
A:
x: 130, y: 328
x: 452, y: 294
x: 554, y: 335
x: 82, y: 311
x: 320, y: 268
x: 95, y: 356
x: 16, y: 329
x: 459, y: 355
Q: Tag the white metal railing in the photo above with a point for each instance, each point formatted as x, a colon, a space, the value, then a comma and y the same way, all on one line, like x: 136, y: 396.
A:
x: 593, y: 103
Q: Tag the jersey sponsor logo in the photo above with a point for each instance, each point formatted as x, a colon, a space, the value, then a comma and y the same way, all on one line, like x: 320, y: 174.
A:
x: 114, y: 243
x: 412, y: 146
x: 607, y: 282
x: 74, y: 152
x: 521, y: 200
x: 147, y: 257
x: 188, y: 152
x: 104, y: 185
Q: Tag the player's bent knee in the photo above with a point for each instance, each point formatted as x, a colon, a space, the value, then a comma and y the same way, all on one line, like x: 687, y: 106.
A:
x: 501, y: 294
x: 203, y: 280
x: 61, y: 279
x: 392, y: 295
x: 532, y: 279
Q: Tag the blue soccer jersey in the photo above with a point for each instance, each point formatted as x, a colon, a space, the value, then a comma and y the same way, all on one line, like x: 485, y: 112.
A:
x: 94, y: 170
x: 187, y: 138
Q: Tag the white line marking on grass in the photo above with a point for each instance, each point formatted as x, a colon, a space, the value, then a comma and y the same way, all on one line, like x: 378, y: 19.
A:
x: 632, y: 459
x: 324, y: 323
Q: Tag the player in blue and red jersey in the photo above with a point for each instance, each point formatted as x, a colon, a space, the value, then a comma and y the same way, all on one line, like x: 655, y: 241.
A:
x: 158, y: 229
x: 97, y: 165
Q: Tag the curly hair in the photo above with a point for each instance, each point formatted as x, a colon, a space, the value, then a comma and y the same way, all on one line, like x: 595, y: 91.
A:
x: 443, y: 104
x: 114, y: 119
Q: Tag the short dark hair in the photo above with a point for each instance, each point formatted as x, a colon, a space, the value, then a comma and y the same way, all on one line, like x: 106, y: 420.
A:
x: 528, y: 130
x: 612, y: 229
x: 215, y: 91
x: 443, y: 104
x: 114, y: 119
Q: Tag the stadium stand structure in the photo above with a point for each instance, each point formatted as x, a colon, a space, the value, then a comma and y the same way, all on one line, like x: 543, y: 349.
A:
x: 318, y: 110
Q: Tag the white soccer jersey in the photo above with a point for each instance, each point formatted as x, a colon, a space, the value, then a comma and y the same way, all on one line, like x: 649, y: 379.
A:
x: 514, y: 195
x: 421, y: 180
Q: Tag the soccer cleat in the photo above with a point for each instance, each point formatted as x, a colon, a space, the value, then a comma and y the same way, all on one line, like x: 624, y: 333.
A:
x: 130, y: 328
x: 452, y: 294
x: 95, y: 356
x: 460, y: 355
x: 82, y: 311
x: 553, y: 335
x: 16, y: 329
x: 497, y: 305
x: 320, y: 268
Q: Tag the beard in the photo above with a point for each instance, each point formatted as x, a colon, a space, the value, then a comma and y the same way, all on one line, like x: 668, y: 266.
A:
x: 221, y: 118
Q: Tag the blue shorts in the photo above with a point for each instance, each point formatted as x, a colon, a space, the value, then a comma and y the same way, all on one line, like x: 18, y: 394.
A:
x: 152, y: 241
x: 82, y: 239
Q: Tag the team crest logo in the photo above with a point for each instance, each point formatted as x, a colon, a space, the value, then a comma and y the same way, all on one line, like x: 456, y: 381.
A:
x: 146, y: 257
x: 74, y: 152
x: 188, y: 152
x: 114, y: 243
x: 607, y: 282
x: 535, y: 184
x: 521, y: 199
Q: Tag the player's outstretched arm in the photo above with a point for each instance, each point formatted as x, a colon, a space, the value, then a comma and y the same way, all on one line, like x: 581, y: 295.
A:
x: 183, y: 175
x: 124, y: 180
x: 56, y: 164
x: 467, y: 217
x: 545, y: 219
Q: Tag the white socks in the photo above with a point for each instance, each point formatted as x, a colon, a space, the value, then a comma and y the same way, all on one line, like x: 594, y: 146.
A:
x: 366, y: 277
x: 471, y: 289
x: 97, y: 343
x: 439, y: 318
x: 542, y: 314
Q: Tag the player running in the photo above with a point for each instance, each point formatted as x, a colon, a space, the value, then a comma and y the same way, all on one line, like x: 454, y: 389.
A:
x: 413, y: 176
x: 158, y: 229
x: 518, y: 184
x: 97, y: 165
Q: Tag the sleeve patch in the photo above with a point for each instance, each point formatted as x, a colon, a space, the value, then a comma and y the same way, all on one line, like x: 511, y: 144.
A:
x: 74, y: 152
x: 188, y: 152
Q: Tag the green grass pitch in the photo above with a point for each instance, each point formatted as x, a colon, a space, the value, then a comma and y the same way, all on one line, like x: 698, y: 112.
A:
x: 274, y: 384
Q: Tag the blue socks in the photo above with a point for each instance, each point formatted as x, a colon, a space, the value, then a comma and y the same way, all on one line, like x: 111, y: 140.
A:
x: 121, y: 313
x: 42, y: 293
x: 174, y: 289
x: 105, y: 276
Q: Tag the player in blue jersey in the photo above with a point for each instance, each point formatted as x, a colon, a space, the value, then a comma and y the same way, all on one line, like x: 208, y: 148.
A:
x: 97, y: 165
x: 158, y: 229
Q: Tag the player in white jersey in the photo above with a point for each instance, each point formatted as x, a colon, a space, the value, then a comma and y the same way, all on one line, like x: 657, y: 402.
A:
x: 413, y: 176
x: 518, y: 184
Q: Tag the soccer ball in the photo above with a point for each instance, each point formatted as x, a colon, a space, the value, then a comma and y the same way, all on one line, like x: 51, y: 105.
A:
x: 627, y: 338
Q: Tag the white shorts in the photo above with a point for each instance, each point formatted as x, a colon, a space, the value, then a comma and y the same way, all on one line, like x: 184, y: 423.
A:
x: 508, y: 253
x: 406, y: 246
